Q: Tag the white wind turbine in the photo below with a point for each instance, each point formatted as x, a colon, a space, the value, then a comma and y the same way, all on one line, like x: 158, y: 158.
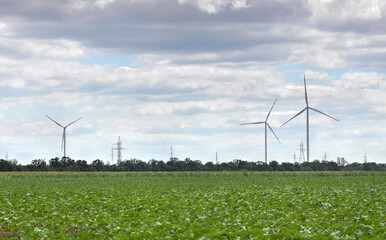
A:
x: 266, y: 125
x: 307, y: 108
x: 64, y: 132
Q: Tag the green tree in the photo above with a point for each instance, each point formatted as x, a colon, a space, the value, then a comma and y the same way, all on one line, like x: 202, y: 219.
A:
x: 39, y: 164
x: 274, y: 165
x: 55, y: 164
x: 82, y: 165
x: 98, y: 165
x: 288, y: 166
x: 6, y: 166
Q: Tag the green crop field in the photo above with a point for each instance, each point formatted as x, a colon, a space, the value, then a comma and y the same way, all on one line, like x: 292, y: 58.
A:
x: 193, y: 205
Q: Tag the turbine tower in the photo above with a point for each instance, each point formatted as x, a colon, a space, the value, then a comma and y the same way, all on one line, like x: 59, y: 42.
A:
x: 266, y: 125
x: 171, y: 152
x: 307, y: 109
x: 64, y: 132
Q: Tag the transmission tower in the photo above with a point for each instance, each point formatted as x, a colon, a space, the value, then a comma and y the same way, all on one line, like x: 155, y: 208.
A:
x: 119, y: 149
x: 294, y: 157
x: 325, y: 157
x: 6, y: 157
x: 216, y: 159
x: 301, y: 153
x: 365, y: 158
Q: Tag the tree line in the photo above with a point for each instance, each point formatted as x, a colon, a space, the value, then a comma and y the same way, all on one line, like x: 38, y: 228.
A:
x: 174, y: 164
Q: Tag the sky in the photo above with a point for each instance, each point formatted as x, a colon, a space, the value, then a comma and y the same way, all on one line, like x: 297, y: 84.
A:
x: 187, y: 73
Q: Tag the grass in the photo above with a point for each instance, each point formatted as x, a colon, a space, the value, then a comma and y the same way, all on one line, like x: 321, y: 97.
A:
x: 231, y: 205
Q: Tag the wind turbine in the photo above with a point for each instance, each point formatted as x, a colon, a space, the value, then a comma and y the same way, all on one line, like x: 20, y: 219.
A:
x: 266, y: 125
x: 64, y: 132
x: 307, y: 109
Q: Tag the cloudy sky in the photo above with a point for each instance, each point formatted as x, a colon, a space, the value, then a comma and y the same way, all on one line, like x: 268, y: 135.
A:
x: 187, y: 73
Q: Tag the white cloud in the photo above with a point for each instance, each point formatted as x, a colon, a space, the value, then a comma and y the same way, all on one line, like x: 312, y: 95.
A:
x: 103, y: 3
x: 14, y: 83
x: 49, y: 49
x: 211, y: 6
x: 5, y: 31
x: 190, y: 107
x: 346, y: 9
x: 203, y: 56
x: 57, y: 99
x: 78, y: 4
x: 316, y: 75
x: 216, y: 6
x: 99, y: 109
x: 326, y: 59
x: 239, y: 4
x: 380, y: 109
x: 360, y: 80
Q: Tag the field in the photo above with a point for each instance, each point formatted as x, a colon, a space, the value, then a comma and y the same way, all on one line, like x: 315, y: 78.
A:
x: 188, y: 205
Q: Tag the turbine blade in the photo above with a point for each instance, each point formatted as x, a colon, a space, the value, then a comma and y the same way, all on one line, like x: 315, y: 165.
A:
x: 74, y: 121
x: 294, y: 116
x: 305, y: 89
x: 270, y: 110
x: 252, y: 123
x: 54, y: 121
x: 316, y: 110
x: 273, y: 133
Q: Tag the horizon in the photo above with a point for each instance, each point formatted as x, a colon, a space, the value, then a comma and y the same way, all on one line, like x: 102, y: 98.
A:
x: 187, y: 73
x: 338, y: 161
